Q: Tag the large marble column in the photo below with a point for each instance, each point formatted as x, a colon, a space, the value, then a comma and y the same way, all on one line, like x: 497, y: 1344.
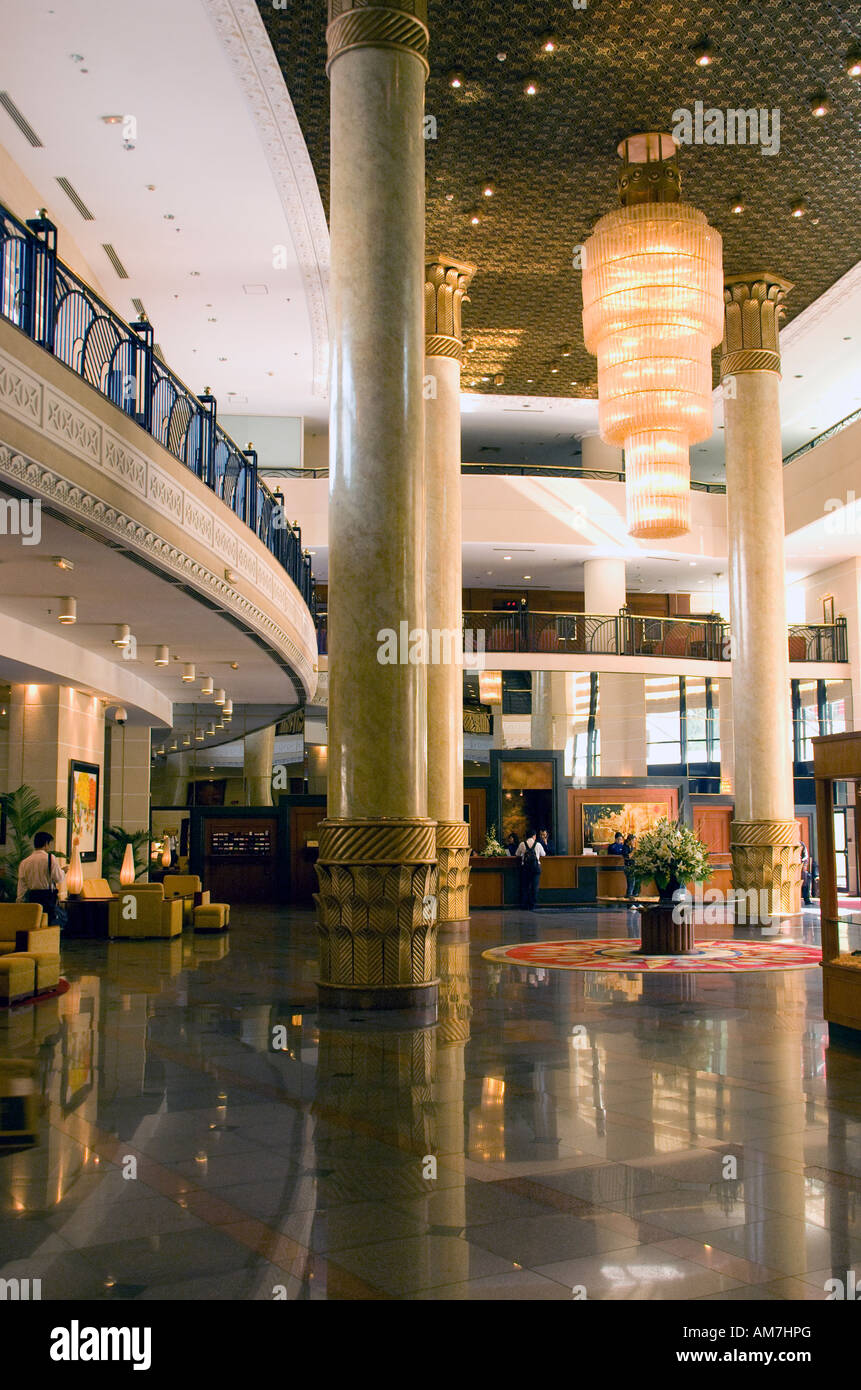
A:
x: 621, y: 694
x: 446, y: 284
x: 764, y: 836
x: 377, y: 865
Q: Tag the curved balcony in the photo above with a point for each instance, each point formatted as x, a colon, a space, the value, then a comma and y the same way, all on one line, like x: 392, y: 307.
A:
x: 53, y: 307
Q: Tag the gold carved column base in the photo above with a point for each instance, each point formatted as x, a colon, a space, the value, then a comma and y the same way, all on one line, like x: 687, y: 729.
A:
x: 452, y: 847
x: 766, y: 858
x: 376, y: 913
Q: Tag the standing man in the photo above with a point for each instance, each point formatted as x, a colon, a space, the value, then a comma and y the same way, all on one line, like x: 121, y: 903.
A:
x: 530, y: 852
x: 631, y: 884
x: 40, y: 877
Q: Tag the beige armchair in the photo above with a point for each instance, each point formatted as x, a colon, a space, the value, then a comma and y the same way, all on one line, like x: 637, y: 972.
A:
x: 189, y: 889
x: 142, y: 911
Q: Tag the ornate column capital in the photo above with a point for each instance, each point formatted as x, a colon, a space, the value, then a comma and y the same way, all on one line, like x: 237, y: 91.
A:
x: 753, y: 309
x: 446, y: 285
x: 398, y: 24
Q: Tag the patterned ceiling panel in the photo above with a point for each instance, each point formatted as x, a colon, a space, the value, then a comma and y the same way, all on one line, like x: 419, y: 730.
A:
x: 618, y: 66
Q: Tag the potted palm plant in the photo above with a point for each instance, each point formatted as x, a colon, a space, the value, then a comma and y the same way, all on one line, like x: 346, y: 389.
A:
x: 673, y: 855
x: 113, y: 851
x: 25, y: 816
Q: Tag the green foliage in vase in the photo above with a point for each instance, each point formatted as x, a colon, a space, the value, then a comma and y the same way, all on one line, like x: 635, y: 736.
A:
x: 671, y: 850
x: 25, y: 817
x: 492, y: 848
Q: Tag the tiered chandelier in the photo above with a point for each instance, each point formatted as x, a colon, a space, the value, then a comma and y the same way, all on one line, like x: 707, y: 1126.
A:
x: 652, y: 312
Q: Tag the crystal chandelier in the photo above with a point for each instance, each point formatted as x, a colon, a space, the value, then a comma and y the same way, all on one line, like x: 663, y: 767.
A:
x: 652, y: 312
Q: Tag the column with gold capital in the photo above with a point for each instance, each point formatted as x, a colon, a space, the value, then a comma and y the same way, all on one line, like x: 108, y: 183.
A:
x: 446, y: 285
x: 377, y: 861
x: 764, y: 836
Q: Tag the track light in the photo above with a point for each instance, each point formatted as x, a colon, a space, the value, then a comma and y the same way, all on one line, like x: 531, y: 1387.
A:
x: 68, y: 610
x: 188, y: 672
x: 206, y: 687
x: 227, y: 710
x: 218, y: 697
x: 162, y: 656
x: 122, y: 634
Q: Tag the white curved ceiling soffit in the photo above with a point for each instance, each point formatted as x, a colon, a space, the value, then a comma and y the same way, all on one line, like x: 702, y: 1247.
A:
x: 242, y: 34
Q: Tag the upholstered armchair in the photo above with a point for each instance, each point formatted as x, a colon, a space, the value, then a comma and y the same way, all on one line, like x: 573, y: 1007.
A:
x: 142, y: 910
x: 189, y: 889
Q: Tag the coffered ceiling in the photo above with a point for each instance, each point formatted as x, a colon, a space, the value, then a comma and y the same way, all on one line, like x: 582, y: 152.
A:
x: 617, y: 66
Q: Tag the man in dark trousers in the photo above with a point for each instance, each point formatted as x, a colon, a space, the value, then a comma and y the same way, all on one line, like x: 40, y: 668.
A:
x: 530, y: 852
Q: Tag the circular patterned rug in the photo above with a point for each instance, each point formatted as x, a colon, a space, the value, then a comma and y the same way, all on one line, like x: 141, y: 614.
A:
x: 615, y: 954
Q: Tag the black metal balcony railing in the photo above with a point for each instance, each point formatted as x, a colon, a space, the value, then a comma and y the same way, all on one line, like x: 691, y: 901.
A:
x: 47, y: 301
x: 628, y: 634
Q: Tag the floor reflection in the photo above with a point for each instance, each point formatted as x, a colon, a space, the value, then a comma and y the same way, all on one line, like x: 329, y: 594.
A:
x: 189, y: 1127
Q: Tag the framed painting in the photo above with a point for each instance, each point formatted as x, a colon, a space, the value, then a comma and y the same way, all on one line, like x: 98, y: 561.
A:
x: 84, y: 779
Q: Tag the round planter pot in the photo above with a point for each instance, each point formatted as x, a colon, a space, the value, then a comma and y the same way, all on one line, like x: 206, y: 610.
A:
x: 666, y: 929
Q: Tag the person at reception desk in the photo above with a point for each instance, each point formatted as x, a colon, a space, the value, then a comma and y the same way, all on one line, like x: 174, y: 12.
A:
x: 546, y: 841
x: 511, y: 844
x: 530, y: 852
x: 618, y: 845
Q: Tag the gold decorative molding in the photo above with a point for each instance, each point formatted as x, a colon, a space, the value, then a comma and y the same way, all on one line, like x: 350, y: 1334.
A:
x: 766, y: 857
x: 368, y: 24
x: 754, y: 306
x: 376, y: 878
x: 452, y: 834
x: 475, y: 721
x: 446, y: 284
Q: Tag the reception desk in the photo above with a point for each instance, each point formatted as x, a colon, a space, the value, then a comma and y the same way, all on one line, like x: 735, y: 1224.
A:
x: 568, y: 879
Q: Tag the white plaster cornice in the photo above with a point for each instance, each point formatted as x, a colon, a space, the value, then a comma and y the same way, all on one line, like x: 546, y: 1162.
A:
x: 845, y: 288
x: 243, y: 36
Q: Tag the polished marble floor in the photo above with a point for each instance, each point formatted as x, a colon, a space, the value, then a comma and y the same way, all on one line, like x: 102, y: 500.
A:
x: 205, y: 1134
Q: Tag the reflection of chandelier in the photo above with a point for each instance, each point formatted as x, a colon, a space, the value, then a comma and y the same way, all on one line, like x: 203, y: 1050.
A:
x: 652, y: 311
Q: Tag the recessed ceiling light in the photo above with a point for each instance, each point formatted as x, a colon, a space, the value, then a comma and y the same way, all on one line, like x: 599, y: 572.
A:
x: 506, y: 557
x: 62, y: 563
x: 738, y: 207
x: 449, y: 197
x: 853, y: 61
x: 531, y: 88
x: 112, y: 120
x: 819, y: 105
x: 703, y: 54
x: 549, y: 43
x: 527, y: 576
x: 489, y: 188
x: 799, y: 208
x: 456, y: 78
x: 501, y: 57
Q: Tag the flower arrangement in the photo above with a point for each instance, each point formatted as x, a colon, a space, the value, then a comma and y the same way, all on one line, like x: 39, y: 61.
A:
x: 672, y: 854
x: 492, y: 848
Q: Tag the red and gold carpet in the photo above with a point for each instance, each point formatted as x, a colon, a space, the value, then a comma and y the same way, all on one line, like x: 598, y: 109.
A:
x: 616, y: 954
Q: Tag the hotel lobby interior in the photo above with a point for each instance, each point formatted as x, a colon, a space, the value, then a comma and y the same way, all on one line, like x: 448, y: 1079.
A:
x: 433, y: 657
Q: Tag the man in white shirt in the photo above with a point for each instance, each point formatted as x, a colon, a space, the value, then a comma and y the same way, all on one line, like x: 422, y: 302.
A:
x: 530, y: 852
x: 40, y: 877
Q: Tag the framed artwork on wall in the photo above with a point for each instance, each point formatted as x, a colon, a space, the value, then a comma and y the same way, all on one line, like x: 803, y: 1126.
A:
x: 84, y: 781
x: 828, y: 609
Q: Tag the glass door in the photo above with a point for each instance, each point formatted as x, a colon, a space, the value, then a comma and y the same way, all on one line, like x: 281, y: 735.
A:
x: 841, y: 849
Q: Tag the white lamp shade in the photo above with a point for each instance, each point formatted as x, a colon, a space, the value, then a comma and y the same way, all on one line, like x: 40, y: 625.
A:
x: 128, y: 871
x: 165, y: 854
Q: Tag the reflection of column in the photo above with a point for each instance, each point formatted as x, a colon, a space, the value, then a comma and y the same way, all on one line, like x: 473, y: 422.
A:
x: 377, y: 847
x: 764, y: 836
x: 598, y: 456
x: 542, y: 710
x: 446, y: 283
x: 259, y: 757
x: 496, y: 712
x: 727, y: 744
x: 622, y: 723
x: 455, y: 1011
